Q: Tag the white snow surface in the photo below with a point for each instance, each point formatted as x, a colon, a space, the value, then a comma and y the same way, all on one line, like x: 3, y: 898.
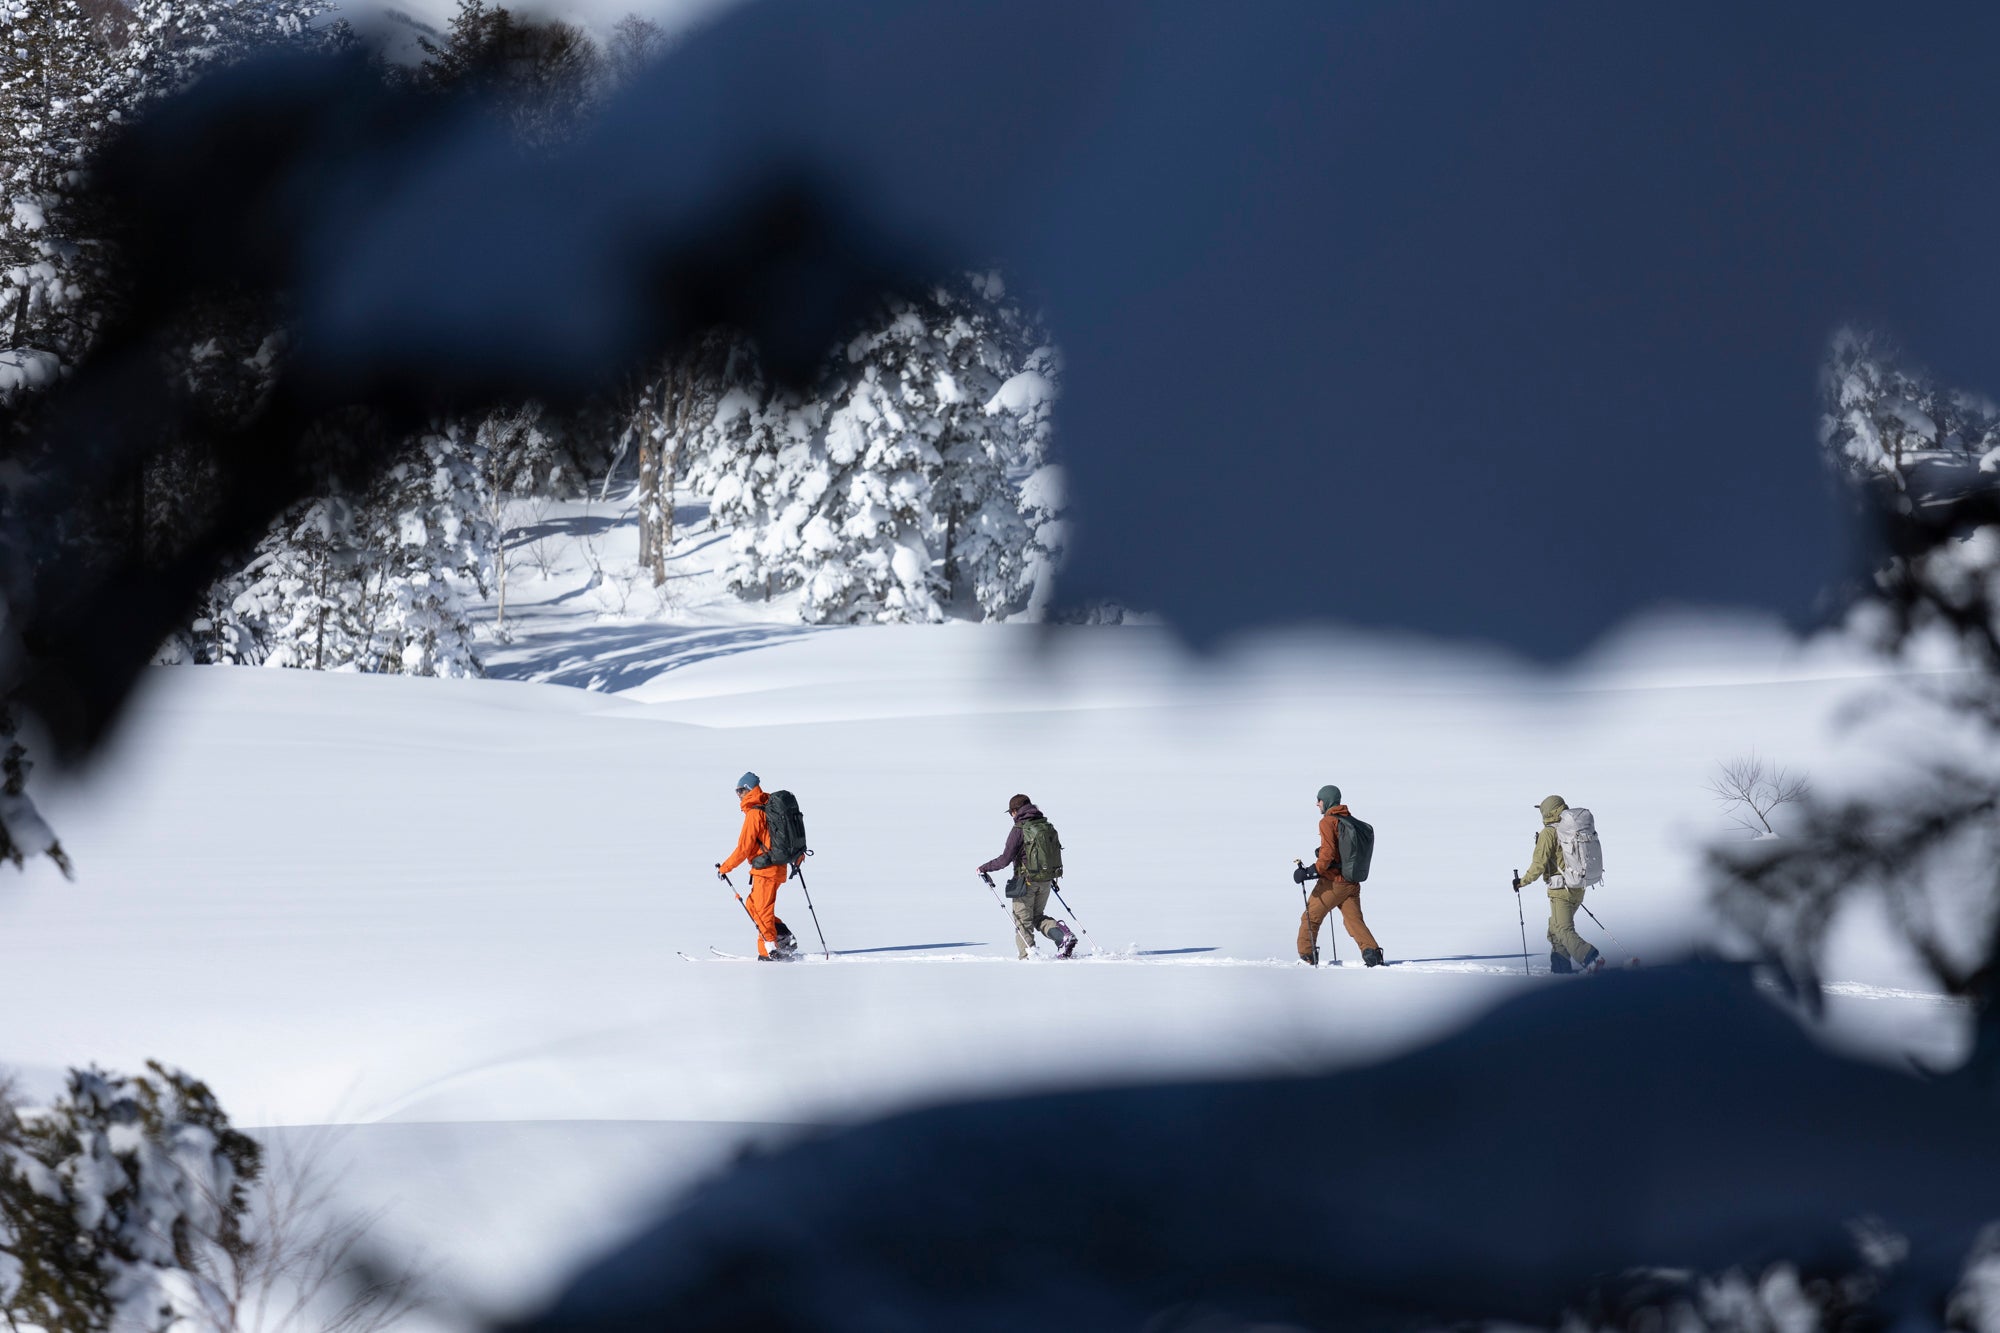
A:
x: 446, y: 916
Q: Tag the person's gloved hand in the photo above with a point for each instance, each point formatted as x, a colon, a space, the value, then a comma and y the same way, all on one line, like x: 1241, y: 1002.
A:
x: 1304, y: 873
x: 1517, y: 883
x: 718, y: 873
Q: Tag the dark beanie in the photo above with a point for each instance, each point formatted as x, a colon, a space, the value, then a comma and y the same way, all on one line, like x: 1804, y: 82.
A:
x: 1329, y: 795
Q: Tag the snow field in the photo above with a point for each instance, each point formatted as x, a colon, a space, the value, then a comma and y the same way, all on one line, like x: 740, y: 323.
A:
x: 386, y: 903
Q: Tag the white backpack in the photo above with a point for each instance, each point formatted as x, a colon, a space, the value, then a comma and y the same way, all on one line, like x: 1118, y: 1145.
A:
x: 1582, y: 854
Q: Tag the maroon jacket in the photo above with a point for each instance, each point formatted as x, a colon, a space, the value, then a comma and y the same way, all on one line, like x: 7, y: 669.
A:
x: 1011, y: 853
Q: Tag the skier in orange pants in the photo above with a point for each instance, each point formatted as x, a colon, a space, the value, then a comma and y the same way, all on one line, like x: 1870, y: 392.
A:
x: 774, y: 938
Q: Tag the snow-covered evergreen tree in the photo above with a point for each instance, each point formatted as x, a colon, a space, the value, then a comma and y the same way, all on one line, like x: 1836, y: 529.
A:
x: 916, y: 485
x: 541, y: 76
x: 371, y: 584
x: 1883, y: 417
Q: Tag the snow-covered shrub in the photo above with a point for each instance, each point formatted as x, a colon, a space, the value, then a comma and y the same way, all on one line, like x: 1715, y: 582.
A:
x: 114, y: 1202
x: 132, y: 1205
x: 24, y: 834
x: 918, y: 483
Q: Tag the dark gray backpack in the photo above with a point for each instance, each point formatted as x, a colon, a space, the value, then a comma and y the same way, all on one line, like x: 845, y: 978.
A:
x: 1356, y: 843
x: 788, y: 832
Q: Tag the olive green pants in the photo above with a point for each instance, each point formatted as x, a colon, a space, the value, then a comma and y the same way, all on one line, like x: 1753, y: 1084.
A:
x: 1562, y: 926
x: 1031, y: 914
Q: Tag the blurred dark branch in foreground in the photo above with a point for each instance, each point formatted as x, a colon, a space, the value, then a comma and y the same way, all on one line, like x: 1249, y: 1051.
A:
x: 1915, y: 459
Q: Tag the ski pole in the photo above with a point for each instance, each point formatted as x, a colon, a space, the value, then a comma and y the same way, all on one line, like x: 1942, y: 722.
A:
x: 800, y: 871
x: 1523, y: 917
x: 1080, y: 927
x: 739, y: 897
x: 1009, y: 911
x: 1620, y: 944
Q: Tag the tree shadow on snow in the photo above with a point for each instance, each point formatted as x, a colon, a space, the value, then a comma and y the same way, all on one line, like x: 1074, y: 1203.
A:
x: 575, y: 526
x: 910, y: 948
x: 612, y: 658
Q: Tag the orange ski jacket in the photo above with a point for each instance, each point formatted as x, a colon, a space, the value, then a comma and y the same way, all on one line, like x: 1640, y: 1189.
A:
x: 756, y: 835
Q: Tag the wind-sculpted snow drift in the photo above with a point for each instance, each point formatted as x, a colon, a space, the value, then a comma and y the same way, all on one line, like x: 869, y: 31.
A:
x: 1555, y: 1154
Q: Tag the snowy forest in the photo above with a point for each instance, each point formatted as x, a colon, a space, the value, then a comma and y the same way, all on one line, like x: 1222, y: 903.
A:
x: 916, y: 483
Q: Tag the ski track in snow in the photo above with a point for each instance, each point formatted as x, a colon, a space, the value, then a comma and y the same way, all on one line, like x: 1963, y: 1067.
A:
x: 443, y: 916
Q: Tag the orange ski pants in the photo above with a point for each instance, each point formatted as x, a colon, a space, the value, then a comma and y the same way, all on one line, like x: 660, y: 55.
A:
x: 1332, y: 892
x: 763, y: 904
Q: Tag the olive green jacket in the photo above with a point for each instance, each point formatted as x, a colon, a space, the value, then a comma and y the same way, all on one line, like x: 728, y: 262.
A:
x: 1548, y: 858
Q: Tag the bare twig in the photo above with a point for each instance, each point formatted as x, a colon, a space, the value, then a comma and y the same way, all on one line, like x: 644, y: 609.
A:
x: 1750, y: 791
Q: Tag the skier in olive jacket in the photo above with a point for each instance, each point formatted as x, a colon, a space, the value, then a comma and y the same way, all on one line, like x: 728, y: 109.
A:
x: 1029, y: 898
x: 1333, y: 891
x: 1565, y: 945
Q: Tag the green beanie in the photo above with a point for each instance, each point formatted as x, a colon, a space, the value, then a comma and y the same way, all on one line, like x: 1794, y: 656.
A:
x: 1329, y: 795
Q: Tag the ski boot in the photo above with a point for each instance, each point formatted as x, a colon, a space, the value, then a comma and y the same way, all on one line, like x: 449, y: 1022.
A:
x: 1372, y: 957
x: 1593, y: 963
x: 1310, y: 959
x: 1067, y: 944
x: 1559, y: 964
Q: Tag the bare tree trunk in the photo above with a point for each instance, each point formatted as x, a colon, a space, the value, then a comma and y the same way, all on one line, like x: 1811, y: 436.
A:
x: 650, y: 555
x: 676, y: 401
x: 500, y: 568
x: 319, y: 629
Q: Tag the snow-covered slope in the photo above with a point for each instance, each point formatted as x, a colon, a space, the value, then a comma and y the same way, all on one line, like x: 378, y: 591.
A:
x: 450, y: 914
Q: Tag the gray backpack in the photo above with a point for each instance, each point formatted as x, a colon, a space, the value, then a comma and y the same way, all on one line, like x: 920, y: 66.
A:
x: 1356, y: 844
x: 1582, y: 854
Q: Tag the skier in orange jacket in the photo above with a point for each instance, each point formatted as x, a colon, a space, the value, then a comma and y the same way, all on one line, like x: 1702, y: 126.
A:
x: 775, y: 941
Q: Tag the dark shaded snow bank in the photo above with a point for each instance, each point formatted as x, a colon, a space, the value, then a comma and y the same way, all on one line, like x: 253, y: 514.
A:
x: 1671, y: 1118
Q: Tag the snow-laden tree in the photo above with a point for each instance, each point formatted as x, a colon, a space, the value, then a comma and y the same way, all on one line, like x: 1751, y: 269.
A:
x: 70, y: 72
x: 58, y: 88
x: 516, y: 455
x: 915, y: 485
x: 663, y: 411
x: 371, y: 583
x: 114, y: 1202
x: 1884, y: 417
x: 541, y: 76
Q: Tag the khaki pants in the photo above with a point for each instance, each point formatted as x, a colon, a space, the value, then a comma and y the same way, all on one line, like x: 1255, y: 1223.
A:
x: 1562, y: 926
x: 1031, y: 914
x: 1328, y: 894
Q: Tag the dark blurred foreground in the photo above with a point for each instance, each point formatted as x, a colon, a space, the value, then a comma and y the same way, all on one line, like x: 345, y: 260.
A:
x: 1594, y: 1150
